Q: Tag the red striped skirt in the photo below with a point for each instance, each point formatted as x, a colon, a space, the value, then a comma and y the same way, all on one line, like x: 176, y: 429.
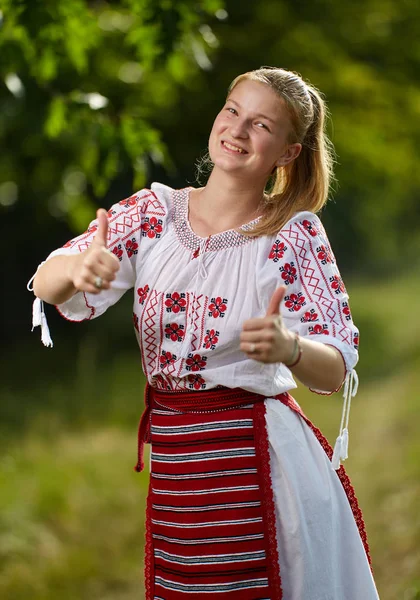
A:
x: 210, y: 520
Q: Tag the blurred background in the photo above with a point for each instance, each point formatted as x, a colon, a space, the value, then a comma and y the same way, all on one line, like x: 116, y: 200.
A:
x: 100, y: 98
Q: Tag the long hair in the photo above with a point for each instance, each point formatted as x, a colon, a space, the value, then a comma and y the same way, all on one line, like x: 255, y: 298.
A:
x: 304, y: 183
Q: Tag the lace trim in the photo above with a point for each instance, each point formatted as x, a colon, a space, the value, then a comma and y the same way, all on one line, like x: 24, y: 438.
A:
x: 341, y: 472
x: 267, y: 500
x: 149, y: 567
x: 190, y: 240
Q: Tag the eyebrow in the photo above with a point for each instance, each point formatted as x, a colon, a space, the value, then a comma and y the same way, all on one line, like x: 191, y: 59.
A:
x: 257, y: 115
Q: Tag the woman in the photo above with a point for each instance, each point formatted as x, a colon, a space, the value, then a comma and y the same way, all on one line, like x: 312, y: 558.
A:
x: 236, y: 289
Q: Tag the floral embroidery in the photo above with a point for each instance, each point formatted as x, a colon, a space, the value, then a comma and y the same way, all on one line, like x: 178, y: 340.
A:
x: 136, y: 322
x: 68, y: 244
x: 118, y: 251
x: 318, y: 329
x: 174, y: 332
x: 142, y: 293
x: 324, y: 254
x: 310, y: 315
x: 288, y: 273
x: 175, y: 302
x: 309, y: 227
x: 218, y: 307
x: 131, y: 201
x: 151, y: 227
x: 294, y: 302
x: 337, y: 284
x: 166, y: 358
x: 196, y: 382
x: 346, y: 311
x: 92, y: 229
x: 132, y: 247
x: 211, y: 339
x: 356, y: 340
x: 111, y: 213
x: 277, y: 251
x: 195, y: 362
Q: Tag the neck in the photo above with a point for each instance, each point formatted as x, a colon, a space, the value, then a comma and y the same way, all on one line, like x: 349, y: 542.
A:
x: 228, y: 202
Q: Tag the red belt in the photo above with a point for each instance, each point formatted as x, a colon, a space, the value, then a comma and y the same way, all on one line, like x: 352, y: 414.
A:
x: 206, y: 401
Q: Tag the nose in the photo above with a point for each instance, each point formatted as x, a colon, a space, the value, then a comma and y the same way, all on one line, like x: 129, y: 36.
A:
x: 239, y: 129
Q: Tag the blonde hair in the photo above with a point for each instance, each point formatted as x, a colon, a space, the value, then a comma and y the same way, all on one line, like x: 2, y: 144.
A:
x: 305, y: 182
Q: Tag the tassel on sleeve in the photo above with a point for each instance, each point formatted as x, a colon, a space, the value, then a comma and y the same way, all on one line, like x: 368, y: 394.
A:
x: 342, y: 442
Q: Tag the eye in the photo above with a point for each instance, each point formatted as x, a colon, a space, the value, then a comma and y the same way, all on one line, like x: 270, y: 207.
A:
x: 232, y: 110
x: 262, y: 125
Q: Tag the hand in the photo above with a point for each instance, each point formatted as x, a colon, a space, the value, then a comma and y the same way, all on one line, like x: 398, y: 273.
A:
x: 96, y: 264
x: 267, y: 339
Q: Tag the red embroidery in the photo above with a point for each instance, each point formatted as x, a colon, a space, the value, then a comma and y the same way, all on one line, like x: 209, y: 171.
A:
x: 151, y: 227
x: 356, y: 340
x: 262, y: 452
x: 175, y: 302
x: 337, y: 284
x: 277, y: 251
x: 142, y: 293
x: 128, y: 202
x: 174, y: 332
x: 196, y: 382
x: 317, y: 329
x: 310, y: 227
x: 346, y: 311
x: 166, y: 359
x: 217, y: 307
x: 324, y: 254
x: 132, y: 247
x: 310, y: 315
x: 294, y: 302
x: 288, y: 273
x: 195, y: 362
x: 136, y: 322
x: 211, y: 339
x: 118, y: 251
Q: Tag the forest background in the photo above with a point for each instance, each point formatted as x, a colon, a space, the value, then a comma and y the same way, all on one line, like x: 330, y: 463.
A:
x: 99, y: 99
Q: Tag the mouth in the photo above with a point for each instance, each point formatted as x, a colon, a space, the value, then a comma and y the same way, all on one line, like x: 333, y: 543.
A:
x: 233, y: 148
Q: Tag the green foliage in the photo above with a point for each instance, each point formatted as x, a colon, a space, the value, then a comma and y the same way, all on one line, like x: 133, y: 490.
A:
x: 84, y: 84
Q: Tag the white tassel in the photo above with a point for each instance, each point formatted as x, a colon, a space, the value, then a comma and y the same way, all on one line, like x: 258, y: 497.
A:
x: 341, y: 446
x: 40, y: 320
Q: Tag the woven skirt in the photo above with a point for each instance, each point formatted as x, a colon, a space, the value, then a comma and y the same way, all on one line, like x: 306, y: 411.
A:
x: 210, y: 520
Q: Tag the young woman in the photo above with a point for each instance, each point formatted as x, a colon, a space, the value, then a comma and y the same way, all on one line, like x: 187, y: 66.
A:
x: 236, y: 290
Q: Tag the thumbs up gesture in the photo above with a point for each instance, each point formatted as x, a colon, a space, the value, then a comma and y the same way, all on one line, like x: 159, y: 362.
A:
x: 93, y: 270
x: 266, y: 338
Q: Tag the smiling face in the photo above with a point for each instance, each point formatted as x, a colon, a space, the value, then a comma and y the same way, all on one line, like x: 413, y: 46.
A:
x: 250, y: 134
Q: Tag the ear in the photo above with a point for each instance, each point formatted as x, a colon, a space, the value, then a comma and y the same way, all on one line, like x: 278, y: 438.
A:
x: 291, y: 153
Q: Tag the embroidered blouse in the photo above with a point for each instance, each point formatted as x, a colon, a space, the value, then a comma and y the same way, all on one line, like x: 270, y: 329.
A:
x: 192, y: 294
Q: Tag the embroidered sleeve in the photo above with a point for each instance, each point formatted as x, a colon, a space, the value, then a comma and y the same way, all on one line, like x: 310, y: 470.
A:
x: 316, y: 304
x: 137, y: 217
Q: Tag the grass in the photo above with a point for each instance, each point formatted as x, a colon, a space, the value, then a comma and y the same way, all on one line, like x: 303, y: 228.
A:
x: 72, y: 508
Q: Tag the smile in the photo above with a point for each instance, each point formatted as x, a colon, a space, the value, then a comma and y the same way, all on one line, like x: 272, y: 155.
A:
x: 233, y: 148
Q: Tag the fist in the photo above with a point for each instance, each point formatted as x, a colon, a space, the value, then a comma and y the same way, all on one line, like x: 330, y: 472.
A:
x: 266, y: 339
x: 94, y: 269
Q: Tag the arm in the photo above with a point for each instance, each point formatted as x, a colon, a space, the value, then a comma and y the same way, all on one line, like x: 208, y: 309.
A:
x: 320, y: 367
x: 58, y: 279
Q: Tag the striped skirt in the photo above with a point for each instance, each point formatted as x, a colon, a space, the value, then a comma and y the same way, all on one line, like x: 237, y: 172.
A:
x: 210, y: 522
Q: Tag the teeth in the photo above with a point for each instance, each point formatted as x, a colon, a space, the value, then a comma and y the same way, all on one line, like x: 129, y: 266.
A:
x: 235, y: 148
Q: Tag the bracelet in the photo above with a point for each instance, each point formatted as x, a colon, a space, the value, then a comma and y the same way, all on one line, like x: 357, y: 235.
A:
x: 297, y: 353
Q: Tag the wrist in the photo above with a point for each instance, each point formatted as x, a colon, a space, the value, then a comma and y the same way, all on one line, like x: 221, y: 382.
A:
x: 295, y: 353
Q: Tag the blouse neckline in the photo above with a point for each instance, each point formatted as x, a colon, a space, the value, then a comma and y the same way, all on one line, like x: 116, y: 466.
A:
x: 191, y: 240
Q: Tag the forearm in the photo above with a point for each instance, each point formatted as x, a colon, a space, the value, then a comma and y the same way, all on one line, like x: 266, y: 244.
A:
x: 321, y: 367
x: 53, y: 282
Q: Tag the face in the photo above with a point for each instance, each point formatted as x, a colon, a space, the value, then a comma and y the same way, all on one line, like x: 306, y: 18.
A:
x: 250, y: 134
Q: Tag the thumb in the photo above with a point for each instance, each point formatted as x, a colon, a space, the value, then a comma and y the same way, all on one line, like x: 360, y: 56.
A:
x: 276, y: 298
x: 101, y: 236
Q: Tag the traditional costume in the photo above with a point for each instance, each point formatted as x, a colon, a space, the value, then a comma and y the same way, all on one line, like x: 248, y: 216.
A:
x: 244, y: 501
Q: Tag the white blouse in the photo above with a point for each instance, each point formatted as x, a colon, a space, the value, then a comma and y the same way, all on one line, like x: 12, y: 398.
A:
x: 192, y: 294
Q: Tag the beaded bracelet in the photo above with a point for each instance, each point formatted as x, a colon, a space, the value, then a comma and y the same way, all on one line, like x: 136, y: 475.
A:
x: 297, y: 353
